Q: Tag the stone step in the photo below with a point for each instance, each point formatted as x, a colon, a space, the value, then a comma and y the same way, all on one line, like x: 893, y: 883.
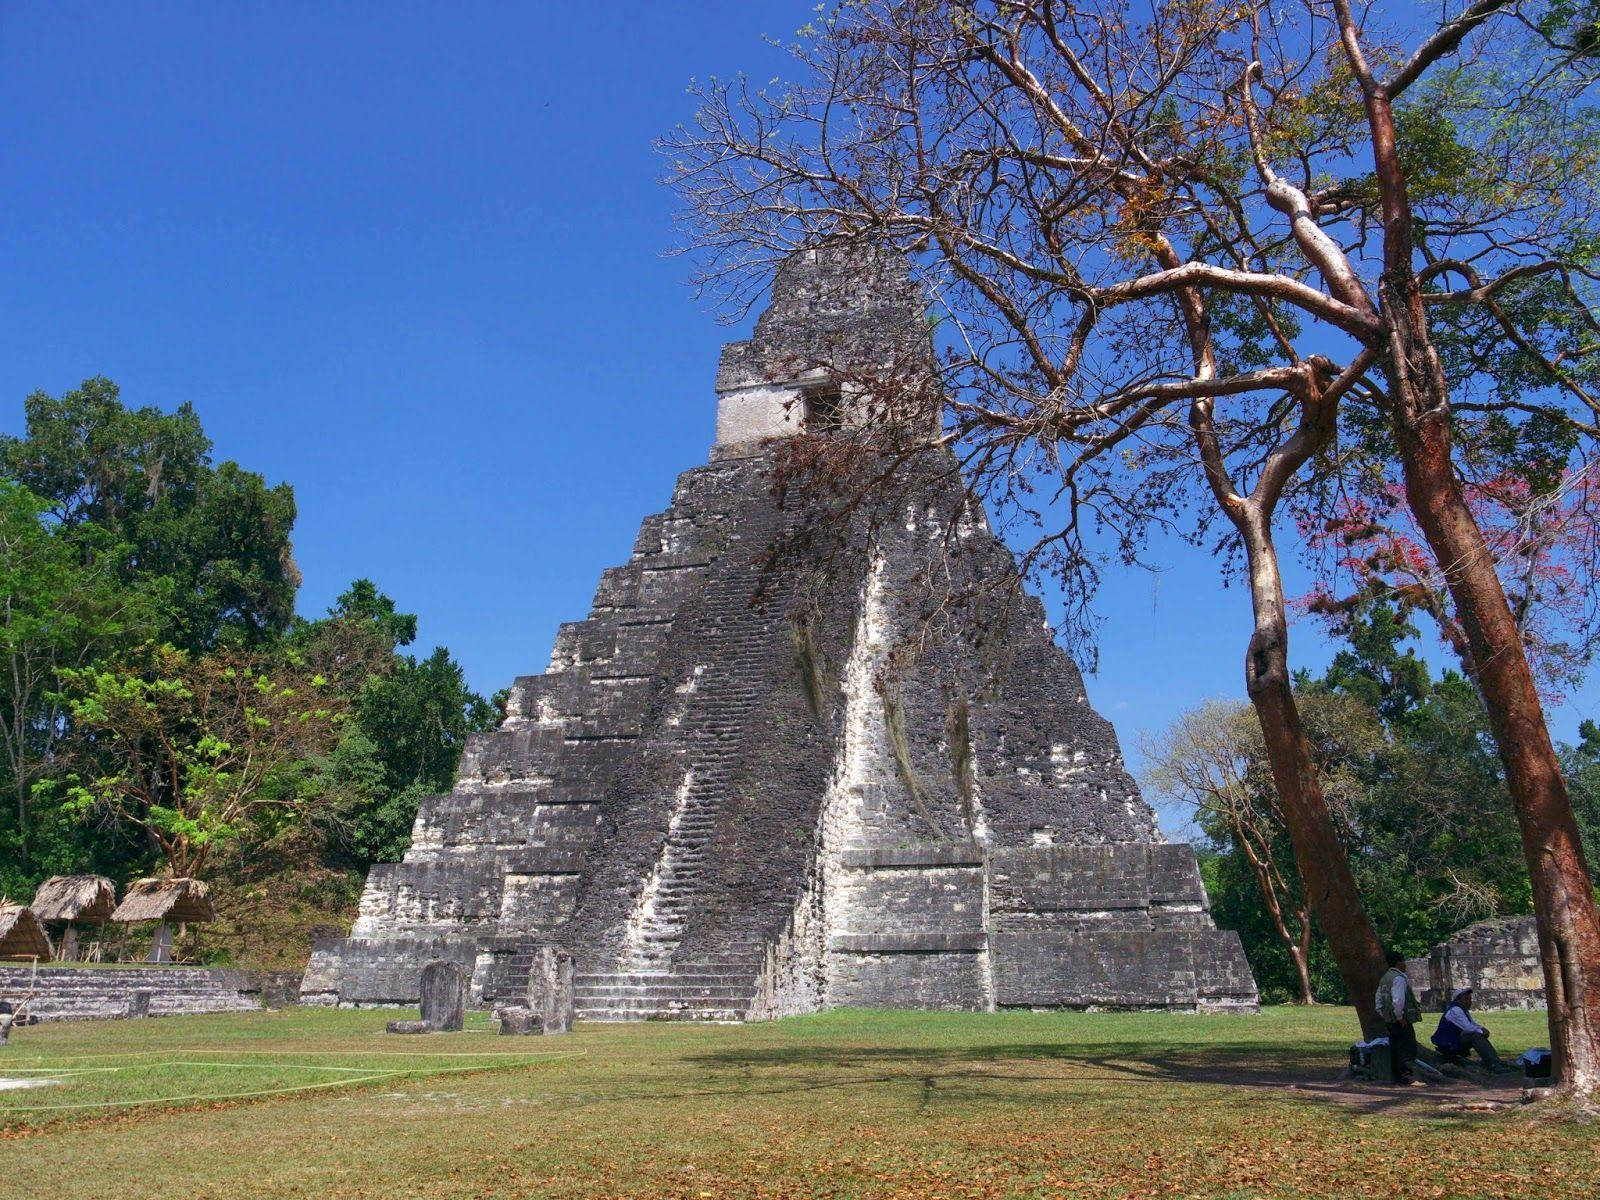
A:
x: 646, y: 1006
x: 735, y: 973
x: 711, y: 1015
x: 75, y: 993
x: 669, y: 989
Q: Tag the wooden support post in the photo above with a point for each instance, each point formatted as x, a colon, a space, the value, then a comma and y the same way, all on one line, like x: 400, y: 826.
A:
x: 161, y: 944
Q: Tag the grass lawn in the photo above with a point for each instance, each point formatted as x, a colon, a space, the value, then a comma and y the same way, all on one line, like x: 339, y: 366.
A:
x: 843, y: 1104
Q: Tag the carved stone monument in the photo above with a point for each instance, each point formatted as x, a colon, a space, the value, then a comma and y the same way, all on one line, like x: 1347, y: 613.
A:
x: 731, y: 797
x: 444, y: 996
x: 550, y: 989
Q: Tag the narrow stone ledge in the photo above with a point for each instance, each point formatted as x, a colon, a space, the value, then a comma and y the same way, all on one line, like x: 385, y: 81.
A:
x: 552, y: 863
x: 932, y: 854
x: 908, y: 943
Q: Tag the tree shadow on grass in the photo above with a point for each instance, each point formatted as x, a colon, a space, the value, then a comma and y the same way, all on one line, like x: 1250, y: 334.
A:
x: 1309, y: 1072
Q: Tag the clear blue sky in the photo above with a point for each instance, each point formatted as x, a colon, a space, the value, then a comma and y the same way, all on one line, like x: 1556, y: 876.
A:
x: 409, y: 258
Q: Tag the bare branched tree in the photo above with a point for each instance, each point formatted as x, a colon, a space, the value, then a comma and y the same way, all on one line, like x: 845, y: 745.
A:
x: 1204, y: 762
x: 1174, y: 244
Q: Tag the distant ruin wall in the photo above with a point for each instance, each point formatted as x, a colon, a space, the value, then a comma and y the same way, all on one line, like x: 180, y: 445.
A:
x: 1498, y: 959
x: 82, y: 993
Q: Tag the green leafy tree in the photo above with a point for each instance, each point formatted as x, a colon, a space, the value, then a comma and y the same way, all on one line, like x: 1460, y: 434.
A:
x: 57, y: 611
x: 411, y: 720
x: 421, y: 714
x: 1414, y: 782
x: 194, y: 751
x: 1213, y: 762
x: 1583, y: 769
x: 212, y: 540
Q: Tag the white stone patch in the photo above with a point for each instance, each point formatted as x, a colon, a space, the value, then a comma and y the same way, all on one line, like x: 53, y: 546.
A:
x: 10, y: 1083
x: 645, y: 921
x: 1065, y: 762
x: 683, y: 691
x: 981, y: 833
x: 1141, y: 817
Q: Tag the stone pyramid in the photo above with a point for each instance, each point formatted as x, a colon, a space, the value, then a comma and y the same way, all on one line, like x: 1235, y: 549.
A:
x: 735, y: 798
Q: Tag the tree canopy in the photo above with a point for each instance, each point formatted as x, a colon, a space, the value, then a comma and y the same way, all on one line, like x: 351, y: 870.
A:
x: 164, y: 708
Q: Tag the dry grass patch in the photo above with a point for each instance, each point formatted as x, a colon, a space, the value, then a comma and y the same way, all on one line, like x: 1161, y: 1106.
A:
x: 849, y: 1104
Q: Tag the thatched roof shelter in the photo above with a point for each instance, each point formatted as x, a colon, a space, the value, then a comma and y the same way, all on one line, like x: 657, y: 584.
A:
x: 21, y: 935
x: 84, y: 898
x: 166, y: 900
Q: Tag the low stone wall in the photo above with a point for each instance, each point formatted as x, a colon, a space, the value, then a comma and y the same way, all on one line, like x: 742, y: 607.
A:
x: 90, y: 993
x: 1498, y: 959
x: 1115, y: 926
x: 358, y: 972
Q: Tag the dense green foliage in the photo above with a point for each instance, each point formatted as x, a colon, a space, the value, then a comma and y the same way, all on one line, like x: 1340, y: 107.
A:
x: 165, y: 708
x: 1419, y: 797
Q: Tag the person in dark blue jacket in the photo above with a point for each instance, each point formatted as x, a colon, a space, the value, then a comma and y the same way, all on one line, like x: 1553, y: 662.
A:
x: 1459, y: 1035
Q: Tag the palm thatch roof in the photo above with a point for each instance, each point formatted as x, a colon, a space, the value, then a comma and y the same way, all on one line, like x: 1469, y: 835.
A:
x: 21, y: 935
x: 166, y: 900
x: 88, y: 898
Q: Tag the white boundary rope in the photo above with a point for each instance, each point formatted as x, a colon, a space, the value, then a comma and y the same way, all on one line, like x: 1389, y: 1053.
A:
x: 357, y: 1078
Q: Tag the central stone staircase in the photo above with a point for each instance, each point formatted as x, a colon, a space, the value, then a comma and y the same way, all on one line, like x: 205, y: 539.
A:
x: 653, y: 980
x: 710, y: 991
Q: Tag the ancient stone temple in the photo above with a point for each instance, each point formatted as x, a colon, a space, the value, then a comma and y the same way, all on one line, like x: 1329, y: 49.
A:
x: 734, y: 798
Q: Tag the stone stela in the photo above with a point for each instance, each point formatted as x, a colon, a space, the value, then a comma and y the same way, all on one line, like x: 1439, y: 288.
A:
x: 721, y: 810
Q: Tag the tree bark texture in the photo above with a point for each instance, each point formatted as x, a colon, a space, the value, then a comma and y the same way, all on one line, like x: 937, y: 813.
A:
x: 1419, y: 410
x: 1319, y: 855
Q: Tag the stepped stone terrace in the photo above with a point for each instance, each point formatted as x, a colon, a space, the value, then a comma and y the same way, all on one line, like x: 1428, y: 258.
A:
x: 732, y: 797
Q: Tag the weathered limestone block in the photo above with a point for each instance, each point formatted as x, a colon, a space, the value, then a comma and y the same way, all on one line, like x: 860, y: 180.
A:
x: 411, y: 1027
x: 550, y: 989
x: 444, y: 995
x: 1498, y: 959
x: 1116, y: 968
x: 909, y: 979
x: 515, y: 1020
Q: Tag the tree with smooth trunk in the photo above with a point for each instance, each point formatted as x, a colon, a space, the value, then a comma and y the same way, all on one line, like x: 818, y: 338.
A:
x: 1177, y: 244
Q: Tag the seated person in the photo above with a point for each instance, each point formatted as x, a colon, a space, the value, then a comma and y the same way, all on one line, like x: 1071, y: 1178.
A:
x: 1458, y: 1034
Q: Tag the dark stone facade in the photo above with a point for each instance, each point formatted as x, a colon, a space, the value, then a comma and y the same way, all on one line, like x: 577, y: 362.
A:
x: 728, y: 807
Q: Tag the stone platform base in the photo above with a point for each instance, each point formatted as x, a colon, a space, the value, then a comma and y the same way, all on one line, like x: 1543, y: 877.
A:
x: 97, y: 993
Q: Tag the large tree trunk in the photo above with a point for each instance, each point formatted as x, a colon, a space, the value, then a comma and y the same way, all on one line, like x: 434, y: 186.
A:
x: 1419, y: 411
x: 1563, y: 889
x: 1319, y: 855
